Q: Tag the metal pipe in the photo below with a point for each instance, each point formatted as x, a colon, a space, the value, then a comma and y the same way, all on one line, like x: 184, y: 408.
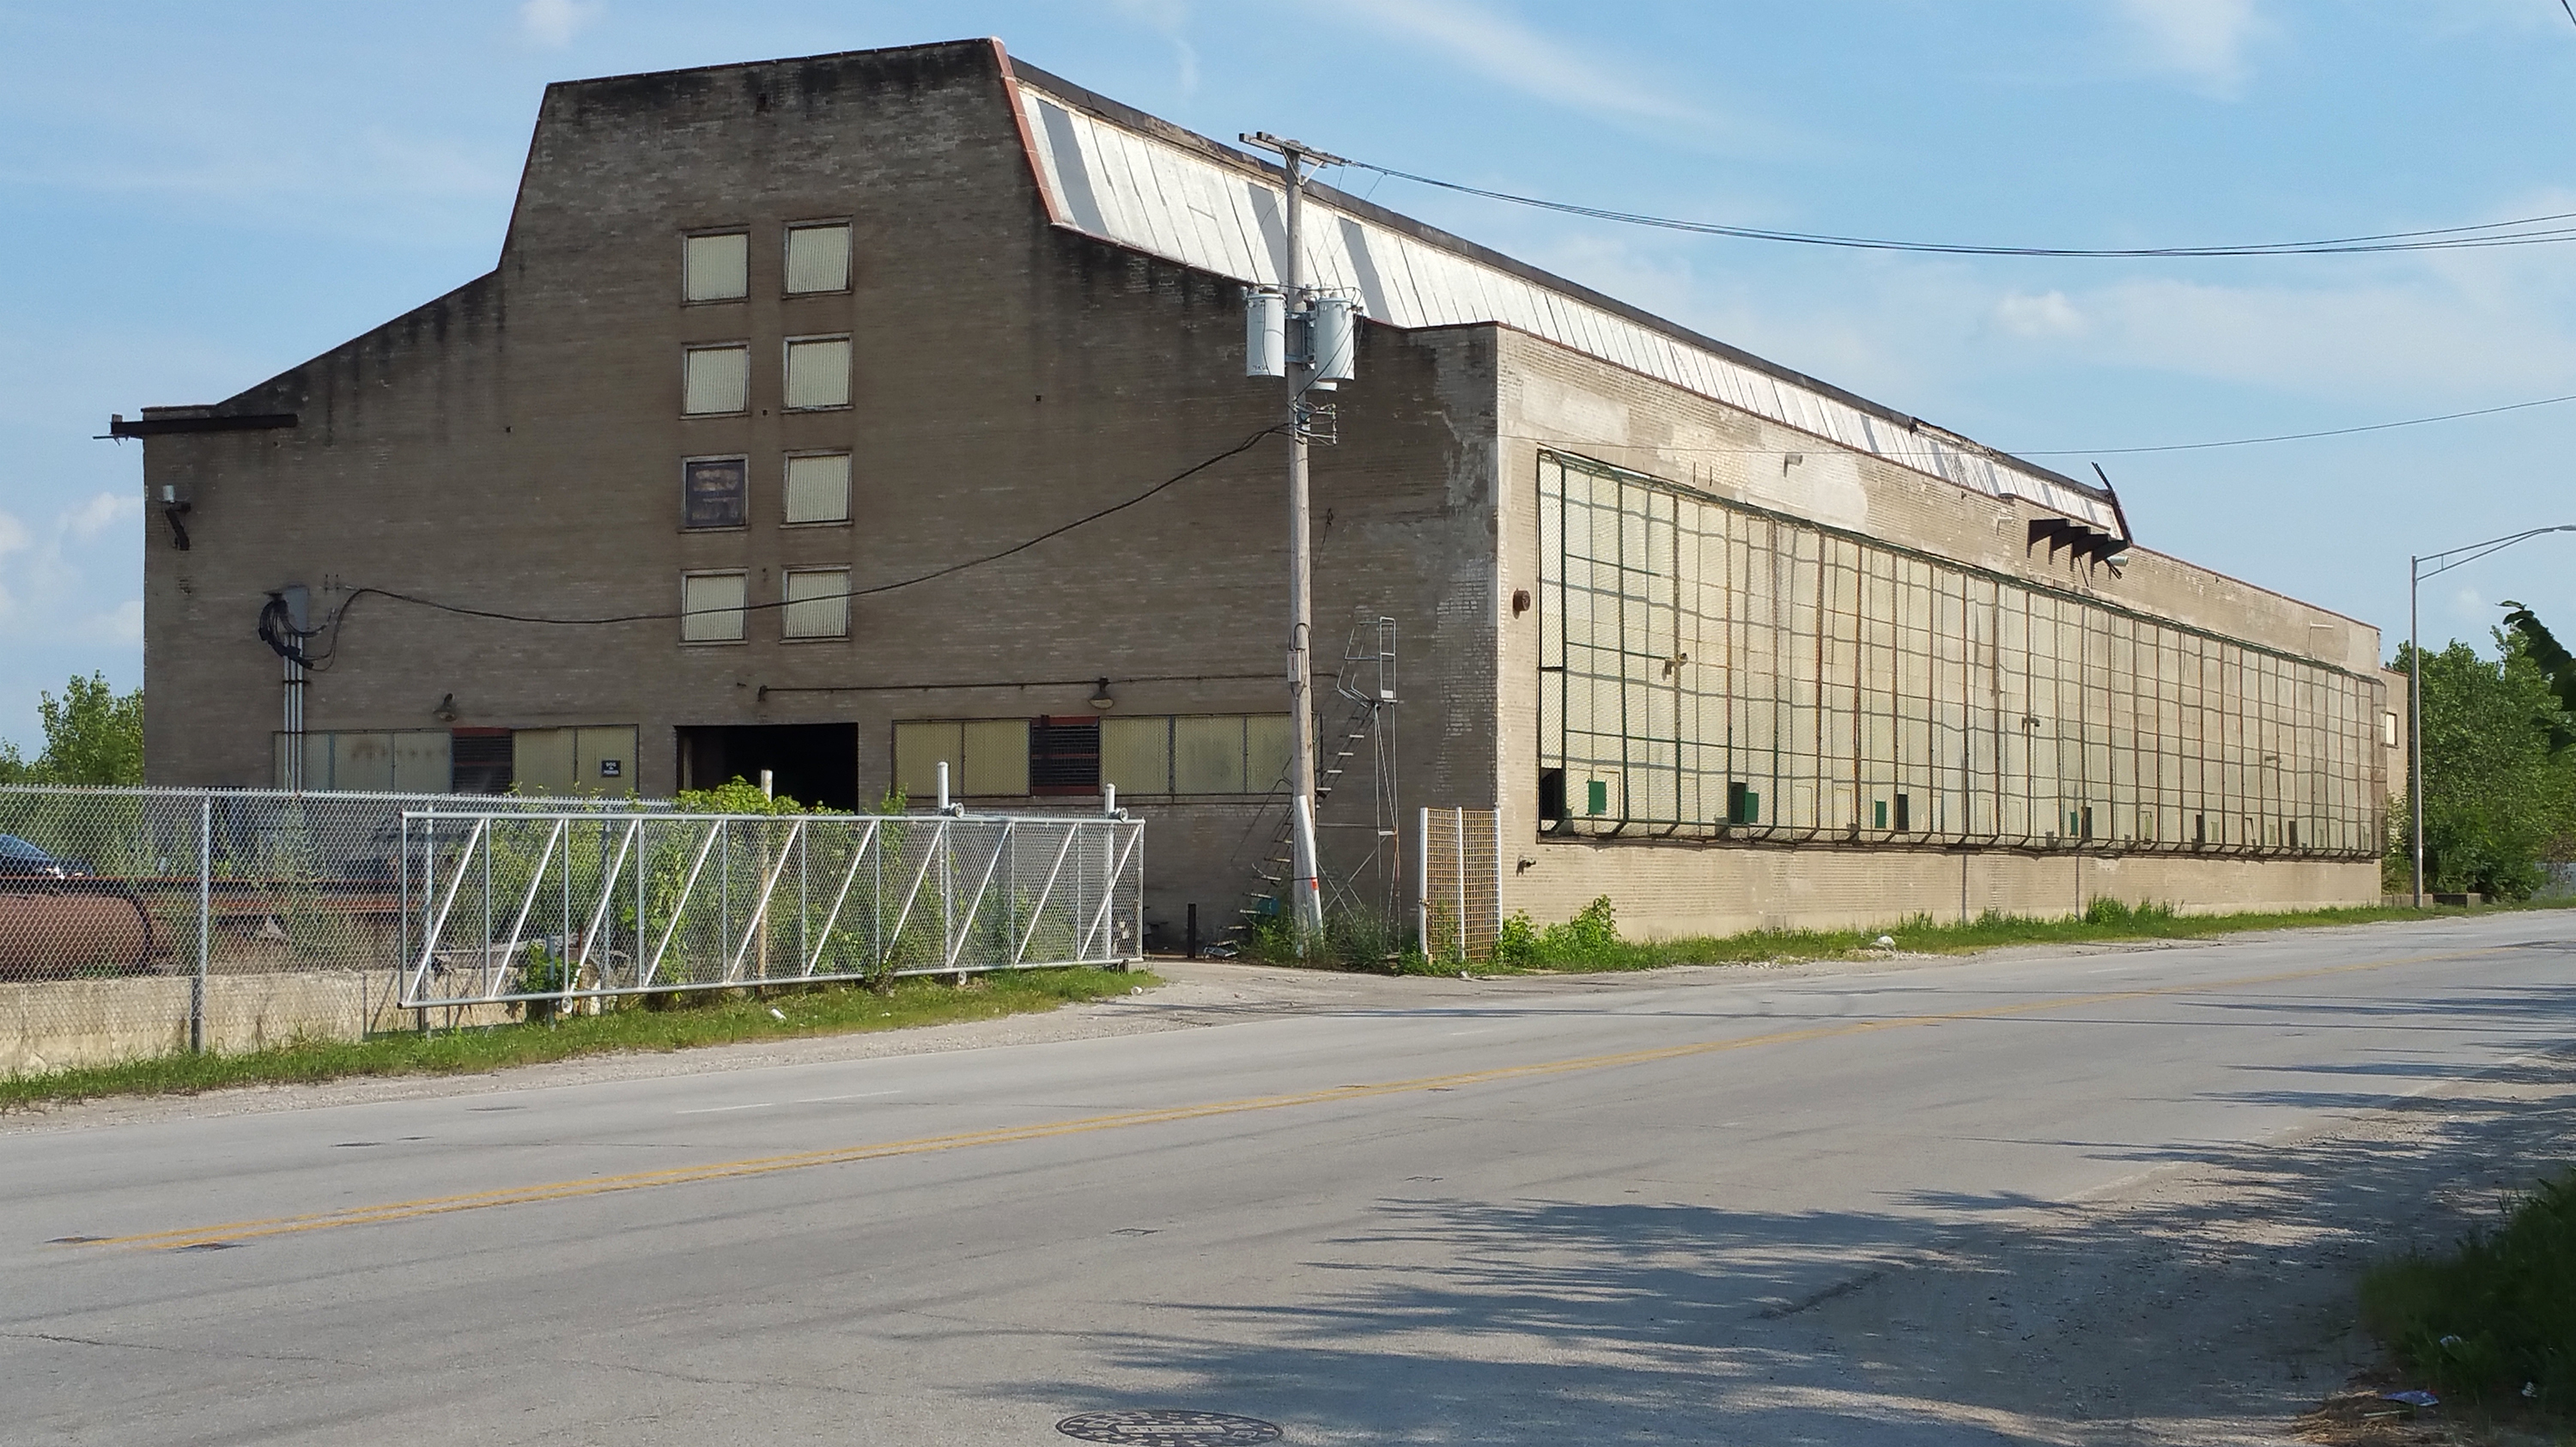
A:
x: 1422, y: 881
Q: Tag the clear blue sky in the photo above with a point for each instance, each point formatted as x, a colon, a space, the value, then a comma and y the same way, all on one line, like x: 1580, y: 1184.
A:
x: 194, y: 197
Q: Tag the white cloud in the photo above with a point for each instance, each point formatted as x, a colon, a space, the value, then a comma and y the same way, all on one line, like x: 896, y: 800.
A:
x: 2399, y: 341
x: 2048, y: 314
x: 50, y: 571
x: 102, y: 511
x: 1552, y: 68
x: 2205, y: 40
x: 122, y: 624
x: 553, y: 23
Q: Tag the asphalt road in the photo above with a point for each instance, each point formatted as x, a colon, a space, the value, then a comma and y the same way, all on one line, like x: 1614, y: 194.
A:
x: 1547, y: 1211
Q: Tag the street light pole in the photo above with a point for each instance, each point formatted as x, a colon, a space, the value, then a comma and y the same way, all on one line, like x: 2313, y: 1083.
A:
x: 2416, y: 573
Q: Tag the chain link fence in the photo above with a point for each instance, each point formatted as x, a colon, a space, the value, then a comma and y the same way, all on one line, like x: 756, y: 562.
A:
x: 1458, y: 907
x: 139, y: 922
x: 142, y: 922
x: 546, y: 912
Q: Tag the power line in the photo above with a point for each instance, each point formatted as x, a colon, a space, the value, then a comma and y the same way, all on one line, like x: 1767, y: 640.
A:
x: 2439, y: 238
x: 340, y: 616
x: 2299, y: 436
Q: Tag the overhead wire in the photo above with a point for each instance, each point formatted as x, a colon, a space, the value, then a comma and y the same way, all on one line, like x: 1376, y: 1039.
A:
x: 340, y: 615
x: 2517, y: 232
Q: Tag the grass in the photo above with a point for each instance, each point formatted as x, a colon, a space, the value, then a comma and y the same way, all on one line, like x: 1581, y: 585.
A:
x: 810, y: 1010
x: 1575, y: 947
x: 2497, y: 1315
x: 1591, y: 942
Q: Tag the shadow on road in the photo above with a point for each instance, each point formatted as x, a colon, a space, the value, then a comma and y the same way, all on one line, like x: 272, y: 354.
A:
x: 2210, y: 1303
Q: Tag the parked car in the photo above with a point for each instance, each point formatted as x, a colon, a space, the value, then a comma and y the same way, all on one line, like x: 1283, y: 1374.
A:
x: 22, y: 860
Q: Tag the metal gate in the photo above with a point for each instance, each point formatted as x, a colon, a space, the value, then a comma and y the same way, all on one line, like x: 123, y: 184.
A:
x: 1458, y: 904
x: 525, y: 906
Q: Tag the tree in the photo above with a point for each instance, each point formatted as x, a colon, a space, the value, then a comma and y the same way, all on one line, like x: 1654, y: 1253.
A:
x: 93, y: 735
x: 2499, y: 785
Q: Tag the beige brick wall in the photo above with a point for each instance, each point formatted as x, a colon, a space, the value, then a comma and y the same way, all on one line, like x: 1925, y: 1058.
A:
x: 516, y: 446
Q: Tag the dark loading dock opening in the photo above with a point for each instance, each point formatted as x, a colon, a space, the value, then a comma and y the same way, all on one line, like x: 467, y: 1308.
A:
x: 811, y: 763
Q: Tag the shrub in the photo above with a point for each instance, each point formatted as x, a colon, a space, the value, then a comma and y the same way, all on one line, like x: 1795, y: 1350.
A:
x: 2497, y: 1313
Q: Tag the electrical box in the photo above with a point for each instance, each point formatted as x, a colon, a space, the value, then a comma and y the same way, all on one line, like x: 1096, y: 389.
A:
x: 1599, y: 794
x: 1265, y: 333
x: 1336, y: 339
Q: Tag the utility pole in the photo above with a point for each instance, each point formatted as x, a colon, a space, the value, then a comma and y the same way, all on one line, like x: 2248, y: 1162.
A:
x: 1306, y: 369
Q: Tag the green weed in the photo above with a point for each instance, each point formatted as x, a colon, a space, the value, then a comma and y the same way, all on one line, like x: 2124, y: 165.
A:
x: 708, y: 1018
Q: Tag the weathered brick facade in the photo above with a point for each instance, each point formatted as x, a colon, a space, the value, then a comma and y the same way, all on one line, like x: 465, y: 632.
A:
x: 515, y: 447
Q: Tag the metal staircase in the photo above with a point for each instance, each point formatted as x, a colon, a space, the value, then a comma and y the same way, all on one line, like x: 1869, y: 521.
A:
x: 1367, y: 680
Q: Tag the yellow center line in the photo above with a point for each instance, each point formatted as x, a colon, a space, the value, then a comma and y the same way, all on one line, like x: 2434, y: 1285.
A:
x: 1004, y: 1135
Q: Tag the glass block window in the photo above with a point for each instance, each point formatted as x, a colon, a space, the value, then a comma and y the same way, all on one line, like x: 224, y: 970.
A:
x: 711, y: 607
x: 716, y: 380
x: 818, y: 603
x: 713, y: 268
x: 818, y: 488
x: 818, y: 372
x: 818, y: 258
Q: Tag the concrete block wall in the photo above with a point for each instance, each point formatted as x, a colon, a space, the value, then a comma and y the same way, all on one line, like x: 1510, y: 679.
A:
x: 516, y: 446
x: 55, y: 1025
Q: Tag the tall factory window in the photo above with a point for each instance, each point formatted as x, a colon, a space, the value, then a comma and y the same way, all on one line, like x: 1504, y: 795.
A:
x: 818, y: 603
x: 818, y: 372
x: 818, y: 257
x: 711, y: 607
x: 818, y: 488
x: 716, y: 380
x: 713, y: 268
x: 713, y: 492
x: 1697, y: 655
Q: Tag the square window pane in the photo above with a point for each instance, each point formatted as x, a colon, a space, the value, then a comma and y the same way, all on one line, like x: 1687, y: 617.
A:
x: 714, y: 492
x: 713, y: 268
x: 818, y: 258
x: 818, y: 603
x: 818, y: 373
x: 920, y: 747
x: 1207, y: 754
x: 1136, y: 754
x: 1266, y: 746
x: 997, y: 757
x: 818, y: 489
x: 718, y: 381
x: 711, y: 607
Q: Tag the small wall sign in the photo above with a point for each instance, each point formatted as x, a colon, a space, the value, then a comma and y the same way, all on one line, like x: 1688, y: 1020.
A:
x: 611, y: 768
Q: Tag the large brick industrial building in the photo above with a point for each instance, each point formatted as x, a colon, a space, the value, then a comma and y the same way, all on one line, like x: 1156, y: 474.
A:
x: 767, y: 342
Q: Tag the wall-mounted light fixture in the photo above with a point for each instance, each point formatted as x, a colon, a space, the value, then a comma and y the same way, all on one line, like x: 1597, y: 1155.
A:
x: 1100, y: 698
x: 1520, y: 601
x: 446, y: 710
x: 174, y: 506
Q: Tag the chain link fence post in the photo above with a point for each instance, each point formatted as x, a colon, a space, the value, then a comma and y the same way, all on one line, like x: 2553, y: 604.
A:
x: 205, y: 924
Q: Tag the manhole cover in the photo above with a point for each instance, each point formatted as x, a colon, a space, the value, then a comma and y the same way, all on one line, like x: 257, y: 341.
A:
x: 1164, y: 1427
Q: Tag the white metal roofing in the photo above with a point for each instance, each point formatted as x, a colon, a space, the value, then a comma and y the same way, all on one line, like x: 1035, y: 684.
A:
x: 1142, y: 191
